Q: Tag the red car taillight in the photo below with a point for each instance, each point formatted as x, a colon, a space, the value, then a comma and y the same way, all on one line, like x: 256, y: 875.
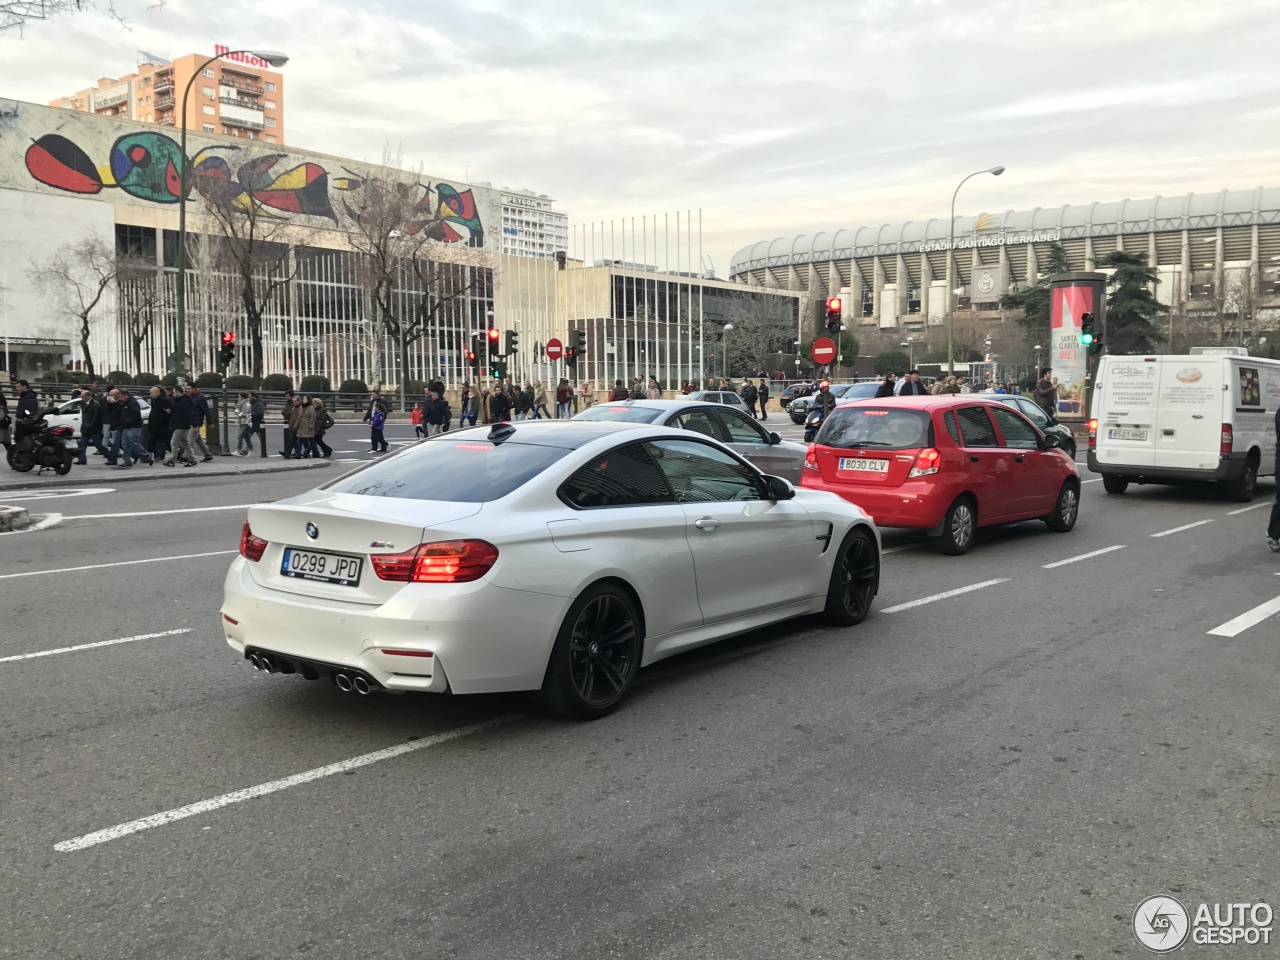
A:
x: 62, y: 431
x: 450, y: 561
x: 1228, y: 439
x: 927, y: 462
x: 1093, y: 434
x: 251, y: 547
x: 811, y: 458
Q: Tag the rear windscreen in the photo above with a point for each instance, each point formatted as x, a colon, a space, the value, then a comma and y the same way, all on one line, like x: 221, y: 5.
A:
x: 458, y: 471
x: 613, y: 411
x: 861, y: 426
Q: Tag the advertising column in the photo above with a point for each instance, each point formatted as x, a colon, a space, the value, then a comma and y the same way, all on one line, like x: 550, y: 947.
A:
x: 1071, y: 296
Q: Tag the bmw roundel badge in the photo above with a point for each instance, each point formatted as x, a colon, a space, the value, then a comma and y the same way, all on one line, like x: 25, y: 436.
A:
x: 313, y: 531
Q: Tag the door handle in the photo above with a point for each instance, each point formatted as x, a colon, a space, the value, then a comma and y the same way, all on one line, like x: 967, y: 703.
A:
x: 706, y: 523
x: 974, y: 457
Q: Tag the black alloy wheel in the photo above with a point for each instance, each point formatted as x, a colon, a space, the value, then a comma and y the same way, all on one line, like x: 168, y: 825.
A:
x: 855, y: 579
x: 596, y: 655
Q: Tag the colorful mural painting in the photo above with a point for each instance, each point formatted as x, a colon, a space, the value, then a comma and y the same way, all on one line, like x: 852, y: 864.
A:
x: 147, y: 166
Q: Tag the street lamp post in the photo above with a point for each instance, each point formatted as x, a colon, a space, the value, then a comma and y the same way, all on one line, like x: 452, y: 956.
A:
x: 1036, y: 372
x: 725, y: 358
x: 951, y: 281
x: 910, y: 344
x: 276, y: 59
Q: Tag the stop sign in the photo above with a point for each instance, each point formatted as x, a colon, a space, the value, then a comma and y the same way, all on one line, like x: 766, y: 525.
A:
x: 555, y: 349
x: 823, y: 351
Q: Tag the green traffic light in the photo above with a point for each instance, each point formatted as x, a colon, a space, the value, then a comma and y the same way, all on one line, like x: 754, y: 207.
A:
x: 1086, y: 339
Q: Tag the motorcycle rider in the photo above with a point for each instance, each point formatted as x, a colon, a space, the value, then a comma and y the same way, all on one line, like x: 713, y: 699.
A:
x: 28, y: 402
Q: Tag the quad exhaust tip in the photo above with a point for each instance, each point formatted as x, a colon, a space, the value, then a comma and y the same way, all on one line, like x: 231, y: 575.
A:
x: 254, y: 661
x: 362, y: 686
x: 344, y: 683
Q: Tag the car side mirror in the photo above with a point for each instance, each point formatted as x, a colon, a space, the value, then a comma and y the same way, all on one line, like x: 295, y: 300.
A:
x: 779, y: 489
x: 774, y: 439
x: 1051, y: 442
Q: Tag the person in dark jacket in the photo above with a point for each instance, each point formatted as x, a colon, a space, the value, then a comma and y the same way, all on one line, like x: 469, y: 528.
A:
x: 286, y: 412
x: 200, y: 416
x: 434, y: 413
x: 749, y: 396
x: 28, y: 401
x: 127, y: 442
x: 437, y: 386
x: 90, y: 427
x: 762, y: 397
x: 158, y: 429
x: 911, y: 385
x: 257, y: 418
x: 620, y: 392
x: 499, y: 406
x: 1273, y: 527
x: 110, y: 419
x: 180, y: 420
x: 377, y: 438
x: 886, y: 388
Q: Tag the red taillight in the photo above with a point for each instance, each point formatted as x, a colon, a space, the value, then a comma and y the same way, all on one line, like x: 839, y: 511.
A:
x: 231, y: 620
x: 251, y: 547
x: 1228, y: 439
x: 1093, y: 434
x: 927, y: 463
x: 811, y: 458
x: 451, y: 561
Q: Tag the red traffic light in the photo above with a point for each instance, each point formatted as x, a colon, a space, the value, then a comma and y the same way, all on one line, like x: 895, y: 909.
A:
x: 493, y: 334
x: 228, y: 337
x: 471, y: 356
x: 833, y: 305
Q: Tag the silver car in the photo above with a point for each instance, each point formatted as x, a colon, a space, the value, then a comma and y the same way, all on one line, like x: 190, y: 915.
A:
x: 735, y: 429
x: 726, y: 397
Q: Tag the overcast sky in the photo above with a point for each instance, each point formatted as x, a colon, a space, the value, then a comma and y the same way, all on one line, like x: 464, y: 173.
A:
x: 775, y: 118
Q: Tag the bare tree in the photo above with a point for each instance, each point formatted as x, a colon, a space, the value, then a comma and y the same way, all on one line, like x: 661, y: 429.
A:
x: 16, y: 14
x: 78, y: 277
x: 761, y: 329
x: 140, y: 296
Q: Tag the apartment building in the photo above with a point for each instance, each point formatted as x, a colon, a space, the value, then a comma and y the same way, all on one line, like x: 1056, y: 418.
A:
x: 235, y: 96
x: 530, y: 225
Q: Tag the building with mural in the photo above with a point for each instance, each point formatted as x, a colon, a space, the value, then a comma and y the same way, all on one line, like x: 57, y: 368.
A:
x: 235, y: 96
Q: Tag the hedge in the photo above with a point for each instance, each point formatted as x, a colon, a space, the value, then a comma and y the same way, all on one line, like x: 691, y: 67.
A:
x: 315, y: 384
x: 353, y: 386
x: 240, y: 382
x: 147, y: 380
x: 120, y: 378
x: 277, y: 382
x: 209, y: 380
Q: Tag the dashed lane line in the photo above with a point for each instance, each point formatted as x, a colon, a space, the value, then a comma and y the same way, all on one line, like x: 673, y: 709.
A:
x: 1250, y: 618
x: 944, y: 596
x: 121, y: 563
x: 1185, y: 526
x: 159, y: 513
x: 1256, y: 506
x: 272, y: 786
x: 90, y: 646
x: 1083, y: 556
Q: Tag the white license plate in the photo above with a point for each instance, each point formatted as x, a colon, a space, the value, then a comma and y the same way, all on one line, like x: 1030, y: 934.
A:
x: 864, y: 466
x: 1126, y: 435
x: 321, y: 567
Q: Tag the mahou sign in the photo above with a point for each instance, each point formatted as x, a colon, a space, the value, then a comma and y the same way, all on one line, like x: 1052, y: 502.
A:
x: 555, y: 349
x: 246, y: 58
x: 823, y: 351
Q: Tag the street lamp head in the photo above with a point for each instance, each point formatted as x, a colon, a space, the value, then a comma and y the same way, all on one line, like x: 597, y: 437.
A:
x: 728, y: 327
x: 273, y: 57
x: 1036, y: 348
x: 996, y: 171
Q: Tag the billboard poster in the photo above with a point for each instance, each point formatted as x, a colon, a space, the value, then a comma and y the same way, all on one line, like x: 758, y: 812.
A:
x: 1067, y: 357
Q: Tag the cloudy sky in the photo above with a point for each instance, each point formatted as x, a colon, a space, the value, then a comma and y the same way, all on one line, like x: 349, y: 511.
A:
x: 775, y: 118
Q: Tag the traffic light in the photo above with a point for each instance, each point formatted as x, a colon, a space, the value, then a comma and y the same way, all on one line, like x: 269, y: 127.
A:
x: 494, y: 337
x: 571, y: 355
x: 473, y: 351
x: 227, y: 355
x: 498, y: 370
x: 1086, y: 329
x: 833, y: 314
x: 512, y: 343
x: 577, y: 343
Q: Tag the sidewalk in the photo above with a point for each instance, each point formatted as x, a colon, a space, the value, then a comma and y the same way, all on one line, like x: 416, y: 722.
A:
x: 97, y: 472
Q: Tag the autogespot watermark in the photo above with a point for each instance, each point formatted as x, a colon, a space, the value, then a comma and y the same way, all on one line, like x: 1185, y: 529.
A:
x: 1162, y: 923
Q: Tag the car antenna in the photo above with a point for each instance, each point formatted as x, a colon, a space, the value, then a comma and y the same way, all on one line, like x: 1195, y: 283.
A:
x: 501, y: 431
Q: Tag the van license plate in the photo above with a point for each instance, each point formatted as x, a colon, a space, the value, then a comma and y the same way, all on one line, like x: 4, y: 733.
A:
x: 320, y: 567
x: 1126, y: 435
x: 864, y: 466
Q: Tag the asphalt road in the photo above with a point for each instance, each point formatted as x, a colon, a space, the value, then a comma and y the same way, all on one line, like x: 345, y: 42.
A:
x: 1004, y: 772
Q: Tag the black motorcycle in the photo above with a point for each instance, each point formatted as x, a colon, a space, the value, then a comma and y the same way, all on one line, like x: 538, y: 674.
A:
x: 36, y: 444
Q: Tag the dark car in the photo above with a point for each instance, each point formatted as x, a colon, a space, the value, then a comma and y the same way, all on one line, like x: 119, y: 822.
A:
x: 799, y: 408
x: 1036, y: 414
x: 791, y: 391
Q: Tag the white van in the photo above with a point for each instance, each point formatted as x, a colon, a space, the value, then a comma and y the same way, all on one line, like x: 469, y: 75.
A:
x: 1207, y: 416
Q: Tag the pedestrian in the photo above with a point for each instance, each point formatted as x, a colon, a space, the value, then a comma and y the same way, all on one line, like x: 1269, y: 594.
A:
x: 244, y: 417
x: 540, y: 409
x: 131, y: 447
x: 416, y: 419
x: 886, y: 388
x: 762, y: 397
x: 1273, y: 526
x: 6, y: 424
x: 522, y: 402
x: 1046, y: 392
x: 587, y: 394
x: 486, y: 409
x: 376, y: 404
x: 653, y: 390
x: 286, y: 413
x: 90, y: 427
x: 110, y: 422
x: 749, y: 396
x: 438, y: 386
x: 324, y: 423
x: 304, y: 444
x: 469, y: 406
x: 434, y: 414
x: 564, y: 393
x: 257, y: 416
x: 499, y: 406
x: 158, y: 429
x: 618, y: 393
x: 28, y: 401
x: 911, y: 385
x: 200, y: 414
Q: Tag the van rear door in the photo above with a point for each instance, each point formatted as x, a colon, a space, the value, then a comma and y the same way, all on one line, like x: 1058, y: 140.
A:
x: 1191, y: 400
x: 1126, y: 407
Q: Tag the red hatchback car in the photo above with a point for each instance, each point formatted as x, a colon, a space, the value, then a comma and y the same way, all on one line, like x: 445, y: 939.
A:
x: 948, y: 465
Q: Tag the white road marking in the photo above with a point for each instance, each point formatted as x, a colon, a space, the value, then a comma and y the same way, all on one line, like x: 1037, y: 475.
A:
x: 1185, y: 526
x: 159, y: 513
x: 121, y: 563
x: 943, y: 596
x: 1248, y: 619
x: 1233, y: 513
x: 49, y: 520
x: 50, y: 493
x: 271, y: 786
x: 909, y: 546
x: 90, y: 646
x: 1094, y: 480
x: 1083, y: 556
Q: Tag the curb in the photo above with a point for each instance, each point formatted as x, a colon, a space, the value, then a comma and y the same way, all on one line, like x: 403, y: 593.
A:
x: 151, y: 474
